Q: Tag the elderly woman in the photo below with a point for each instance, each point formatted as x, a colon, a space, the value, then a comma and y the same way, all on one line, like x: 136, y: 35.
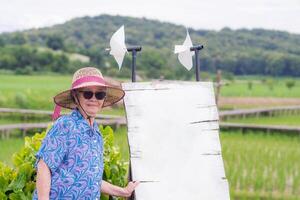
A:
x: 70, y: 160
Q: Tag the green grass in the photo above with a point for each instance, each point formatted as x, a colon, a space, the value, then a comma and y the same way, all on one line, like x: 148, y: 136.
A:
x: 289, y: 120
x: 239, y: 88
x: 35, y: 91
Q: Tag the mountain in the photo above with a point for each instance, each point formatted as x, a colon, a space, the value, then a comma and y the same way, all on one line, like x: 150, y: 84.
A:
x: 241, y: 52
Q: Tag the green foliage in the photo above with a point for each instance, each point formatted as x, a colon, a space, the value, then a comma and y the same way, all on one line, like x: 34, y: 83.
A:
x: 228, y: 76
x: 290, y: 84
x: 18, y: 38
x: 2, y: 43
x: 27, y: 70
x: 250, y: 84
x: 18, y: 182
x: 26, y: 59
x: 114, y: 169
x: 55, y: 42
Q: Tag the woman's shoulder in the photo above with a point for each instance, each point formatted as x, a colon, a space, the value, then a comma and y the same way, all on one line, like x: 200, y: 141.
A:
x: 65, y: 119
x: 64, y: 122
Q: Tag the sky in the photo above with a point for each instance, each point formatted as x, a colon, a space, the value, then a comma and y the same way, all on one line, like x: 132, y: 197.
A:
x: 198, y: 14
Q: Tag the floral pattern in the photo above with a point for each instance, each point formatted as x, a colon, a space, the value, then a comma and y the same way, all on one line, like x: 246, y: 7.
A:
x: 73, y: 151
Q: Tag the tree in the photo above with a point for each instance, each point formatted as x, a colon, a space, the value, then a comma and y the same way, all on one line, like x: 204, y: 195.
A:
x: 55, y: 42
x: 18, y: 38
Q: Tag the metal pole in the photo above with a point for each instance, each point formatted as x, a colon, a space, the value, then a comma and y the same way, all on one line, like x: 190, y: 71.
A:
x: 197, y: 48
x: 134, y: 50
x: 197, y: 64
x: 133, y: 64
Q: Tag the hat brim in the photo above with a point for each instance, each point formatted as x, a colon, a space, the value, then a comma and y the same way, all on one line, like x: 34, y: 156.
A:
x: 113, y: 95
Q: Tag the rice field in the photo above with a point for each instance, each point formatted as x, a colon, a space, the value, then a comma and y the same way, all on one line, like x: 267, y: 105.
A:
x: 257, y: 165
x: 260, y: 88
x: 37, y: 91
x: 261, y: 166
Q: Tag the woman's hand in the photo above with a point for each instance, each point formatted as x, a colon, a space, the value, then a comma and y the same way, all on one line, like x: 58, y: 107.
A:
x: 114, y: 190
x: 130, y: 188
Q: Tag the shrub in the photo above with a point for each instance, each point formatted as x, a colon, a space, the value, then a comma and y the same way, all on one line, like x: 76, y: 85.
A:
x: 250, y: 84
x: 28, y: 70
x: 290, y: 84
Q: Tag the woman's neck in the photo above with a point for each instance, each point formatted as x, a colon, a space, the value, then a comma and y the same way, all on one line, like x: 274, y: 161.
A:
x: 89, y: 120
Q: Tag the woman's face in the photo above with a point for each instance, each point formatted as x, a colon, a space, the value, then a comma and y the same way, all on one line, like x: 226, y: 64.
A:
x: 88, y: 101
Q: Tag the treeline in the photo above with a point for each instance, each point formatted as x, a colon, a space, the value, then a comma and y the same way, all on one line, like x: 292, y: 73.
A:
x: 240, y: 52
x: 25, y: 59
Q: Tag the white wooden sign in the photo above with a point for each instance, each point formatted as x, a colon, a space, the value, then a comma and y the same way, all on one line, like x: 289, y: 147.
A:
x: 173, y: 135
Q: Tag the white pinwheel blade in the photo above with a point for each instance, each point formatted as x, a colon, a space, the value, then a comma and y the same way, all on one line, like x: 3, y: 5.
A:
x: 185, y: 56
x: 117, y: 46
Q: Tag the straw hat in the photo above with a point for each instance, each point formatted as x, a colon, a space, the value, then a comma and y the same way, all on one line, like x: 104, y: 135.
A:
x: 84, y: 77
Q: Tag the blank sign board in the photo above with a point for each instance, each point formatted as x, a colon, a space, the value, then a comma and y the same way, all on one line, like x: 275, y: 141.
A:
x: 173, y: 136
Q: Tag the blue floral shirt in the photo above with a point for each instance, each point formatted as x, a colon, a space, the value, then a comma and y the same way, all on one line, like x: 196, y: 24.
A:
x: 73, y: 151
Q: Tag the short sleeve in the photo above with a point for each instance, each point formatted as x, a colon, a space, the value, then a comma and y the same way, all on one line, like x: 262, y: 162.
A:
x: 54, y: 148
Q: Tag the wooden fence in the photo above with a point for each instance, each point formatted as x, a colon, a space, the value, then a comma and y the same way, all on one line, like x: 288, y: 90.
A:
x: 29, y: 112
x: 258, y: 112
x: 5, y: 130
x: 264, y: 128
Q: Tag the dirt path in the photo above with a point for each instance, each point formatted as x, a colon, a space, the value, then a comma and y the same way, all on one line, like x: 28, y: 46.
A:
x: 236, y: 102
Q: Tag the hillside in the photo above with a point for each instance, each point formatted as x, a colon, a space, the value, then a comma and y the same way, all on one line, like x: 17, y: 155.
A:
x: 240, y: 52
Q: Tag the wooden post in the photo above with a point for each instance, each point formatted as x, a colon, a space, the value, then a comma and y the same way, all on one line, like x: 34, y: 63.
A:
x: 218, y: 89
x: 23, y: 132
x: 6, y: 134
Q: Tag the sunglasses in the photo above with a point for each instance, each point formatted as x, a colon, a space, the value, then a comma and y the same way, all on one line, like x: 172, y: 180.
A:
x: 89, y: 94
